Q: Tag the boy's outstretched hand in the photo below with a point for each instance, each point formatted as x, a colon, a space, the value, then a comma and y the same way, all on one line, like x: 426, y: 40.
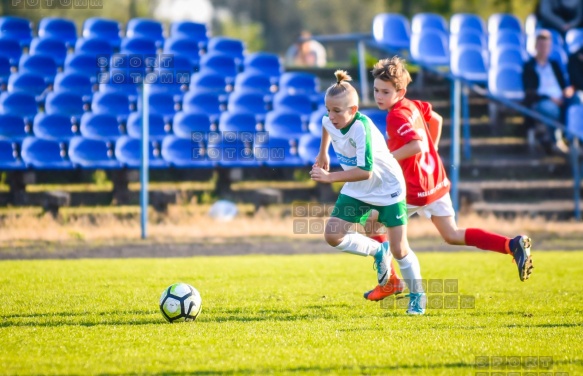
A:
x: 319, y: 174
x: 323, y: 160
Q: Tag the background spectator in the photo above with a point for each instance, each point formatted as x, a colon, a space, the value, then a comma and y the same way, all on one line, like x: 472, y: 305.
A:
x: 546, y: 90
x: 306, y: 52
x: 575, y: 69
x: 560, y: 15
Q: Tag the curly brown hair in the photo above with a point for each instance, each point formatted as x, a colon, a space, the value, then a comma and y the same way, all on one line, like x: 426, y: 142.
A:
x: 392, y: 70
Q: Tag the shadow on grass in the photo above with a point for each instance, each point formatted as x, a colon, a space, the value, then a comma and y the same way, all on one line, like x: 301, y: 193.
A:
x: 54, y: 319
x: 318, y: 369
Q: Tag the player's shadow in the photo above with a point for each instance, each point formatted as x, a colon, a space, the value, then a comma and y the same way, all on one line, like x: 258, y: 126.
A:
x: 263, y: 314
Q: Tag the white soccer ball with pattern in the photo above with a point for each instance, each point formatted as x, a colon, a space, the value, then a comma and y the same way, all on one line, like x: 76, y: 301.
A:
x: 180, y: 302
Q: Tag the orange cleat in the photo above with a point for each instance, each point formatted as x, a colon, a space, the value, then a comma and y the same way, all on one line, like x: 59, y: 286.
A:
x: 394, y: 287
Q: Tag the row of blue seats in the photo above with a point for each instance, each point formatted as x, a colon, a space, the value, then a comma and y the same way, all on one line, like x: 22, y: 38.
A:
x: 22, y: 29
x: 217, y: 149
x: 80, y: 152
x: 94, y: 66
x: 396, y: 32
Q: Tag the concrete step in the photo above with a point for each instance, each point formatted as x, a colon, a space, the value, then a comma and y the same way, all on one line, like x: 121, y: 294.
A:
x: 493, y: 147
x: 551, y: 209
x: 521, y: 191
x: 516, y: 168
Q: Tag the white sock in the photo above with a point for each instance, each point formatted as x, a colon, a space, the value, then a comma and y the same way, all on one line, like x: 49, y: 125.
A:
x: 411, y: 272
x: 358, y: 244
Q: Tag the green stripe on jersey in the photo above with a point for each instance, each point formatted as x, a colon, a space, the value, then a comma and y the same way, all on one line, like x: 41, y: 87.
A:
x: 368, y: 147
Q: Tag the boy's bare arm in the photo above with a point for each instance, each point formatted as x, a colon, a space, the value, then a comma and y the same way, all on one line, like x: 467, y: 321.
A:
x: 407, y: 150
x: 356, y: 174
x: 435, y: 124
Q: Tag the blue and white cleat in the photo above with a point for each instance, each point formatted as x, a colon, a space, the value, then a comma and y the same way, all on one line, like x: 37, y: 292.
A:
x: 521, y: 253
x: 417, y: 303
x: 382, y: 261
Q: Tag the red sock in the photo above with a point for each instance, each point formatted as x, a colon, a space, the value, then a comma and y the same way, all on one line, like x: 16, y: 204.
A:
x: 381, y: 238
x: 487, y: 240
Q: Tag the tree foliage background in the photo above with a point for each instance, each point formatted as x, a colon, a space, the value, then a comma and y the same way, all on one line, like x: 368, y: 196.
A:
x: 272, y: 25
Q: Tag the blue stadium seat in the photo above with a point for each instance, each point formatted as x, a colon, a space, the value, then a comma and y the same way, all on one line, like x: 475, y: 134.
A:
x: 103, y: 28
x: 575, y: 120
x: 94, y: 46
x: 299, y: 83
x: 254, y: 81
x: 503, y: 21
x: 231, y: 124
x: 16, y: 28
x: 264, y: 63
x: 192, y: 30
x: 299, y: 103
x: 392, y: 31
x: 278, y: 152
x: 506, y: 81
x: 83, y: 64
x: 231, y: 152
x: 29, y: 83
x: 19, y: 103
x: 53, y: 127
x: 460, y: 22
x: 184, y: 153
x: 204, y: 102
x: 113, y: 103
x: 248, y: 101
x: 100, y: 126
x: 469, y: 36
x: 39, y: 153
x: 180, y: 46
x: 284, y: 124
x: 227, y: 46
x: 161, y: 104
x: 309, y: 148
x: 178, y: 63
x: 12, y: 127
x: 430, y: 47
x: 422, y: 21
x: 51, y: 47
x: 507, y: 54
x: 11, y: 49
x: 378, y: 117
x: 470, y: 63
x: 65, y: 103
x: 219, y: 63
x: 76, y: 83
x: 91, y: 153
x: 5, y: 71
x: 315, y: 122
x: 147, y: 29
x: 156, y: 126
x: 121, y: 81
x: 574, y: 40
x: 192, y: 125
x: 9, y: 157
x: 128, y: 151
x: 39, y: 64
x: 505, y: 37
x: 138, y: 46
x: 58, y: 28
x: 168, y: 81
x: 209, y: 82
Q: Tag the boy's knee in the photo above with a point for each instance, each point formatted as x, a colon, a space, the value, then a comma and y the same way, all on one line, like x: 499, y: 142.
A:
x: 332, y: 239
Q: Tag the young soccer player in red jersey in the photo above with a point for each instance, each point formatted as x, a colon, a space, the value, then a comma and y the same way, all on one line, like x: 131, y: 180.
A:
x: 413, y: 131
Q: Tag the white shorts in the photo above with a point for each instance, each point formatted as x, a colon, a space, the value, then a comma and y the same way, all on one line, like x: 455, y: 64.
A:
x: 439, y: 208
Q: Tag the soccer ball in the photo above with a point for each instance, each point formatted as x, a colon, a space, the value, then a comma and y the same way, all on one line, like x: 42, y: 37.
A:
x: 180, y: 302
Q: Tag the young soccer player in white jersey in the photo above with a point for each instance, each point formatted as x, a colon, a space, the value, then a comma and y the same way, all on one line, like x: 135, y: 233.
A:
x: 373, y: 181
x: 413, y: 131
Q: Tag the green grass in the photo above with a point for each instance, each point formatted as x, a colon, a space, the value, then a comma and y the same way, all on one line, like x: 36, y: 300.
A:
x: 283, y: 314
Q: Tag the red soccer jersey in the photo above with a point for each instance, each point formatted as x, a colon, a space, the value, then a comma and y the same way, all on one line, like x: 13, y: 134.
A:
x: 424, y: 173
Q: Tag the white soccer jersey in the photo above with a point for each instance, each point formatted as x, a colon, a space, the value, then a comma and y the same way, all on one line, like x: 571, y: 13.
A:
x: 362, y: 145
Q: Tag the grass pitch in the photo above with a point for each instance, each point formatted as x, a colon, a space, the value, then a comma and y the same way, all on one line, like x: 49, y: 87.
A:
x: 288, y: 314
